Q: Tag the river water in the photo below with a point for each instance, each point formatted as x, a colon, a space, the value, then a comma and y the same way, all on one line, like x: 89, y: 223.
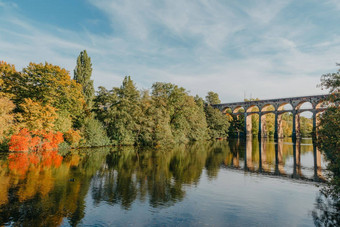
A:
x: 222, y: 183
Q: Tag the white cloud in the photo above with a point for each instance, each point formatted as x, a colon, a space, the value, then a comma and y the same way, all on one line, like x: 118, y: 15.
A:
x: 264, y: 11
x: 201, y: 45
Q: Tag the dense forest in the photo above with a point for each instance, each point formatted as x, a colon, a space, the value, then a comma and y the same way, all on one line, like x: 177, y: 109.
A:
x: 42, y: 107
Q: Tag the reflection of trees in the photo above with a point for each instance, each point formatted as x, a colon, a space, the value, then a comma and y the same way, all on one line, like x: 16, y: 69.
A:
x: 158, y: 176
x: 43, y: 192
x: 43, y: 195
x: 327, y: 209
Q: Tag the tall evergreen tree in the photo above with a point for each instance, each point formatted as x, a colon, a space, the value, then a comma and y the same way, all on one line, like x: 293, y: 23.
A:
x: 82, y: 74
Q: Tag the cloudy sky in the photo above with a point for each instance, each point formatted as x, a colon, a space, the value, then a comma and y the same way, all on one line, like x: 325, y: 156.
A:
x: 263, y: 48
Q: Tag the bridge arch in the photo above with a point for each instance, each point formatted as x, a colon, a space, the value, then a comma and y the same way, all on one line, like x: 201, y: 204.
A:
x: 227, y: 110
x: 268, y: 107
x: 238, y: 108
x: 285, y: 106
x: 321, y: 104
x: 252, y: 108
x: 306, y: 104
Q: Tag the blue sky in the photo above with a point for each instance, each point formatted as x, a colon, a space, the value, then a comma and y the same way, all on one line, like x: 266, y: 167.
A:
x: 264, y: 49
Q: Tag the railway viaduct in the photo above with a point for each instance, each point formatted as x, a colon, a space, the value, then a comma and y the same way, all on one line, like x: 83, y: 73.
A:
x: 275, y: 106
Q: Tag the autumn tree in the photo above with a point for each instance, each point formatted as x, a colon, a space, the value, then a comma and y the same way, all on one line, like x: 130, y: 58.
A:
x: 34, y: 115
x: 48, y: 85
x: 6, y: 118
x: 6, y: 73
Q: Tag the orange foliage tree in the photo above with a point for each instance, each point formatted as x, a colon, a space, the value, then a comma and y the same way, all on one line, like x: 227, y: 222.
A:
x: 38, y: 140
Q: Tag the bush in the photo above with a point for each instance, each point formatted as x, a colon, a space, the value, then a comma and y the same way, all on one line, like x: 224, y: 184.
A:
x: 94, y: 133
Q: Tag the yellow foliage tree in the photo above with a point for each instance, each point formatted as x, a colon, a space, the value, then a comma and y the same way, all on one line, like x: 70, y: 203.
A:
x: 35, y: 115
x: 6, y: 73
x: 6, y: 117
x: 47, y: 84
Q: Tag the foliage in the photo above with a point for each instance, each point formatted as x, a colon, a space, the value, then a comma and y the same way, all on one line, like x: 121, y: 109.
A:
x: 218, y: 123
x: 35, y: 115
x: 119, y: 110
x: 6, y: 72
x: 73, y: 137
x: 328, y: 205
x: 187, y: 120
x: 331, y: 81
x: 82, y: 74
x: 212, y: 98
x: 6, y: 117
x: 39, y: 140
x: 63, y: 123
x: 166, y: 116
x: 154, y: 123
x: 44, y: 97
x: 94, y: 133
x: 46, y: 84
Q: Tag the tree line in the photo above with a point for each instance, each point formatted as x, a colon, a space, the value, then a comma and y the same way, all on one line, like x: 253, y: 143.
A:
x: 43, y: 98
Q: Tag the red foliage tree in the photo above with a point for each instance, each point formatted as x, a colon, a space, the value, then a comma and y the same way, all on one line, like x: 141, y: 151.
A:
x: 38, y: 140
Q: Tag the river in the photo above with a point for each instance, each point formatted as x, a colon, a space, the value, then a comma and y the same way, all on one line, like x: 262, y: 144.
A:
x: 222, y: 183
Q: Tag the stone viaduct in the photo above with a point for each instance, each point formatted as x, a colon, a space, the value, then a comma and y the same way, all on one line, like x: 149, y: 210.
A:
x: 275, y: 106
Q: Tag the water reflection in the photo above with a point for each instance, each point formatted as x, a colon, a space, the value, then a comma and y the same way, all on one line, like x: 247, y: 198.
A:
x: 281, y: 158
x: 43, y: 192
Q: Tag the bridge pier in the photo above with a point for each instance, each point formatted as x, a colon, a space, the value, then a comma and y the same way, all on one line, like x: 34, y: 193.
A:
x: 297, y: 124
x: 294, y: 125
x: 314, y: 132
x: 260, y: 126
x: 276, y: 135
x: 247, y: 124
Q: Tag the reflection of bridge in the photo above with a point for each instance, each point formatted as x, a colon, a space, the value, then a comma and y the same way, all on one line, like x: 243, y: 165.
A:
x: 277, y: 168
x: 275, y: 106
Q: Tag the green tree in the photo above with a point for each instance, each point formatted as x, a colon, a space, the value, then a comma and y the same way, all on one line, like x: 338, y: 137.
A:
x: 327, y: 211
x: 218, y: 124
x: 154, y: 123
x: 329, y: 128
x: 94, y: 133
x: 119, y: 110
x: 82, y: 74
x: 212, y: 98
x: 187, y: 120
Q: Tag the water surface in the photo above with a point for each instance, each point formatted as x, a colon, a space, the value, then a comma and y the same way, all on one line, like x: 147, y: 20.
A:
x: 235, y: 183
